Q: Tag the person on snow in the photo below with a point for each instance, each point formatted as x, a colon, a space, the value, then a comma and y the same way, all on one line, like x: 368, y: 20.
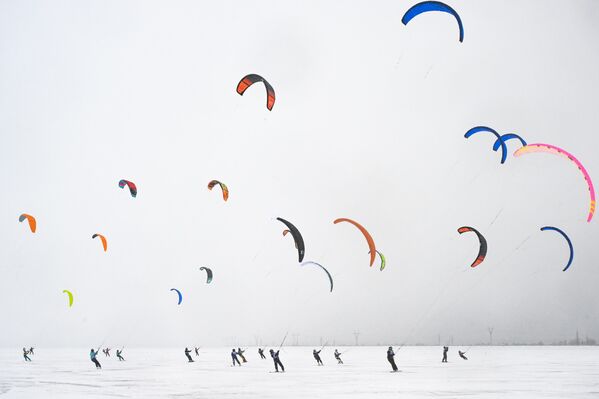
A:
x: 275, y: 358
x: 187, y: 352
x: 391, y: 358
x: 316, y: 355
x: 234, y: 357
x: 338, y: 357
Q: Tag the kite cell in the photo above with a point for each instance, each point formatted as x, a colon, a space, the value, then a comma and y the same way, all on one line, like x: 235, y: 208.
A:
x: 427, y: 6
x: 367, y: 236
x: 223, y: 187
x: 70, y: 295
x: 179, y: 294
x: 103, y: 239
x: 567, y: 240
x: 482, y: 251
x: 499, y: 140
x: 131, y: 185
x: 30, y: 219
x: 297, y: 237
x: 249, y: 80
x: 208, y: 274
x: 322, y: 267
x: 538, y: 147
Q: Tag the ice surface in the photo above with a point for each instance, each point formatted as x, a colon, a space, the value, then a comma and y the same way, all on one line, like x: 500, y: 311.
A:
x: 491, y: 372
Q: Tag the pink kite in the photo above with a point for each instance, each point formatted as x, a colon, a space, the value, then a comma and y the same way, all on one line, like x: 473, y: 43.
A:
x: 527, y: 149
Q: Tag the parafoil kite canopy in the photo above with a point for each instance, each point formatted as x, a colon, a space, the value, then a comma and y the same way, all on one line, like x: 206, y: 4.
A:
x: 367, y: 236
x: 297, y: 237
x: 249, y: 80
x: 223, y: 187
x: 571, y: 258
x: 208, y: 274
x: 482, y: 251
x: 179, y: 295
x: 539, y: 147
x: 103, y: 239
x: 70, y: 295
x: 30, y: 219
x: 131, y: 185
x: 323, y: 268
x: 427, y: 6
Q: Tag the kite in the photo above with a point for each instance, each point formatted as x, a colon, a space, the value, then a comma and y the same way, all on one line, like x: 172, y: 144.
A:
x: 30, y: 220
x: 103, y: 239
x: 507, y: 137
x: 285, y: 232
x: 322, y: 267
x: 383, y: 261
x: 178, y: 293
x: 224, y: 188
x: 249, y: 80
x: 482, y: 251
x: 567, y: 240
x: 538, y: 147
x: 297, y: 237
x: 427, y: 6
x: 498, y: 140
x: 366, y: 234
x: 70, y: 295
x: 208, y: 274
x: 131, y: 185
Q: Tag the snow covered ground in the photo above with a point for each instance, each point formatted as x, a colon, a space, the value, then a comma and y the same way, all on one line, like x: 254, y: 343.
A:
x: 491, y: 372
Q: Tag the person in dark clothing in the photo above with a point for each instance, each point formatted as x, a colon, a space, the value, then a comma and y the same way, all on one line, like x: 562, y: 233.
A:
x: 187, y: 352
x: 240, y: 353
x: 107, y: 352
x: 197, y: 351
x: 391, y: 358
x: 119, y: 354
x: 275, y: 358
x: 338, y: 357
x: 92, y: 355
x: 234, y: 357
x: 462, y: 355
x: 445, y: 350
x: 25, y: 353
x: 31, y: 351
x: 316, y: 355
x: 261, y: 353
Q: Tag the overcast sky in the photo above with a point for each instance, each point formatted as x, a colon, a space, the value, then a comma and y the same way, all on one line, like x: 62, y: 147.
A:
x: 368, y: 124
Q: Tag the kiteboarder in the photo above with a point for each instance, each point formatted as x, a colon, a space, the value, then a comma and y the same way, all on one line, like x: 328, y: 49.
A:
x: 275, y: 358
x: 261, y: 353
x: 240, y: 353
x: 25, y: 353
x: 106, y: 352
x: 445, y: 349
x: 462, y: 355
x: 31, y: 351
x: 197, y: 350
x: 92, y: 355
x: 234, y: 357
x: 119, y: 353
x: 187, y: 352
x: 338, y: 357
x: 316, y: 355
x: 390, y: 358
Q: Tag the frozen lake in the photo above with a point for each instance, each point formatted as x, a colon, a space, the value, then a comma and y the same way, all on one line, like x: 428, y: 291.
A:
x: 490, y: 372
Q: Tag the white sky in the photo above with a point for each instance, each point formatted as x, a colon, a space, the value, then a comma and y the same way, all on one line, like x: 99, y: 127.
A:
x: 368, y: 124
